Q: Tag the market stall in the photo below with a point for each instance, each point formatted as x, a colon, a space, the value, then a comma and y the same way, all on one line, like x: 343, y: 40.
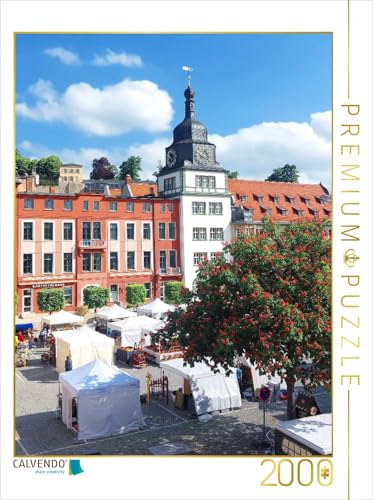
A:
x: 106, y: 401
x: 61, y: 320
x: 304, y: 436
x: 136, y: 329
x: 210, y: 391
x: 83, y: 345
x: 156, y: 309
x: 114, y: 312
x: 105, y: 317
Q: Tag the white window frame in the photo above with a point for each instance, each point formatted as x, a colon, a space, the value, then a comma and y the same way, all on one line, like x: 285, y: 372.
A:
x: 109, y: 235
x: 150, y: 230
x: 53, y: 263
x: 33, y: 264
x: 151, y: 261
x: 134, y: 260
x: 169, y: 258
x: 198, y: 205
x: 111, y: 297
x: 174, y: 224
x: 201, y: 257
x: 63, y: 222
x: 23, y: 299
x: 53, y: 230
x: 109, y: 261
x: 134, y: 230
x: 33, y: 229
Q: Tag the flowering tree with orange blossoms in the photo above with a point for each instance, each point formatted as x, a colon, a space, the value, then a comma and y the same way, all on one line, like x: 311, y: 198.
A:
x: 267, y: 297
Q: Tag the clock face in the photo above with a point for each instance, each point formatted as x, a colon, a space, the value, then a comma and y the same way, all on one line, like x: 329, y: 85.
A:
x: 171, y: 157
x: 203, y: 156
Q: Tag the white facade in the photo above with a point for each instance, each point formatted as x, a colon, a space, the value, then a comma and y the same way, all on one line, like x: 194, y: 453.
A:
x: 192, y: 248
x: 205, y: 216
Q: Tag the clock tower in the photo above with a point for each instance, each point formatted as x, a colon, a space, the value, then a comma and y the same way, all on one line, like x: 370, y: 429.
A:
x: 193, y: 175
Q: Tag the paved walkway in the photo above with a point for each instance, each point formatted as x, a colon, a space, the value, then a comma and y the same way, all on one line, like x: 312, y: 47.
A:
x: 40, y: 432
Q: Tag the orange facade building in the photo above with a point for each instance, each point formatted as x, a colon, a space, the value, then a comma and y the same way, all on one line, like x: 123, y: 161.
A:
x: 71, y: 241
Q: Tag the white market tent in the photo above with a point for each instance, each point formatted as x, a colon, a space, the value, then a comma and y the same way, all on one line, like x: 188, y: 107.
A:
x: 134, y: 329
x: 155, y: 309
x: 114, y: 312
x: 62, y: 318
x: 211, y: 391
x: 260, y: 380
x: 313, y: 432
x: 83, y: 345
x: 108, y: 400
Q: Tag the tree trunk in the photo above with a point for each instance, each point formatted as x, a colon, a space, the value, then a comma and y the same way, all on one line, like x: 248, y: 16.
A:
x: 291, y: 406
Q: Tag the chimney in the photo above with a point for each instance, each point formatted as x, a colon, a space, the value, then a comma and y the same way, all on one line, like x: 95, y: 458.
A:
x: 30, y: 183
x: 128, y: 180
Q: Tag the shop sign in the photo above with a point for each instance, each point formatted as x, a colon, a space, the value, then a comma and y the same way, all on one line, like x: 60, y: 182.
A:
x: 48, y: 285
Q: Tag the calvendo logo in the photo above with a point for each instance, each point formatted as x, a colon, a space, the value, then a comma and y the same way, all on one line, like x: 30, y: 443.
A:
x: 42, y: 466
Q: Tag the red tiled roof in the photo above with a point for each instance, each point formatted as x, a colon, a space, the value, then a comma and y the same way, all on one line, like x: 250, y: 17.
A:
x: 143, y: 188
x: 284, y: 191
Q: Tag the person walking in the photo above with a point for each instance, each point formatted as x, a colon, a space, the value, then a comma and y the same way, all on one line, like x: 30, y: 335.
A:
x: 43, y: 336
x: 68, y: 364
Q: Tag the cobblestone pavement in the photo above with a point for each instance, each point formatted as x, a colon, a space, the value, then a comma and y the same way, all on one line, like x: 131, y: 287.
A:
x: 41, y: 432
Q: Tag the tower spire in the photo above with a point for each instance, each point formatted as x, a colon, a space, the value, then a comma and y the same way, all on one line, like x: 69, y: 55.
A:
x: 188, y: 69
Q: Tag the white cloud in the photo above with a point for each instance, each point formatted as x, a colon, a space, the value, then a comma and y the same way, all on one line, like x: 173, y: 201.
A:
x: 65, y: 56
x: 254, y: 151
x: 108, y: 111
x: 150, y: 153
x: 122, y: 58
x: 257, y: 150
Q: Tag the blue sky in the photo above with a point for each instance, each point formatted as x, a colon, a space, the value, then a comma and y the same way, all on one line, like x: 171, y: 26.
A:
x: 265, y: 99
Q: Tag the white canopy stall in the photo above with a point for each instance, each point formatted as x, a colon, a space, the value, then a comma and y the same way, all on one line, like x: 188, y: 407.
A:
x: 62, y: 318
x: 83, y: 345
x: 107, y: 400
x: 134, y: 329
x: 114, y: 312
x: 156, y: 309
x: 211, y: 391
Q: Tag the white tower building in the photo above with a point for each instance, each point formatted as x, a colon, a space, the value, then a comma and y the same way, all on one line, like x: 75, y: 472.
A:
x: 193, y: 175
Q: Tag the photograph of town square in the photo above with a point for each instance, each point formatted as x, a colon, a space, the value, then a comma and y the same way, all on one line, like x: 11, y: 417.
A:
x: 173, y: 244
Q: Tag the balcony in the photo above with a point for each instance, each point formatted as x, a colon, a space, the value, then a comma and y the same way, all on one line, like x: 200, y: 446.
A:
x: 92, y: 244
x: 170, y: 270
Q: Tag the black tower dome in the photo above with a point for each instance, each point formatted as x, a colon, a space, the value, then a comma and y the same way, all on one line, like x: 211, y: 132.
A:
x: 190, y: 147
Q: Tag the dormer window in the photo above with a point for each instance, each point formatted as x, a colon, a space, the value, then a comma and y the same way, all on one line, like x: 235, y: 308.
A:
x: 265, y: 210
x: 312, y: 211
x: 321, y: 199
x: 243, y: 197
x: 305, y: 200
x: 259, y: 198
x: 290, y: 199
x: 274, y: 198
x: 327, y: 211
x: 282, y: 211
x: 298, y: 211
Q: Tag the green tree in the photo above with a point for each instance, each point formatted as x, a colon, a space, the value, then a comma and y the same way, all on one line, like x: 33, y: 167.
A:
x: 135, y: 295
x: 287, y: 173
x: 132, y: 167
x: 23, y: 166
x: 115, y: 172
x: 49, y: 168
x: 95, y: 296
x: 172, y: 290
x: 51, y: 300
x: 268, y: 297
x: 233, y: 174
